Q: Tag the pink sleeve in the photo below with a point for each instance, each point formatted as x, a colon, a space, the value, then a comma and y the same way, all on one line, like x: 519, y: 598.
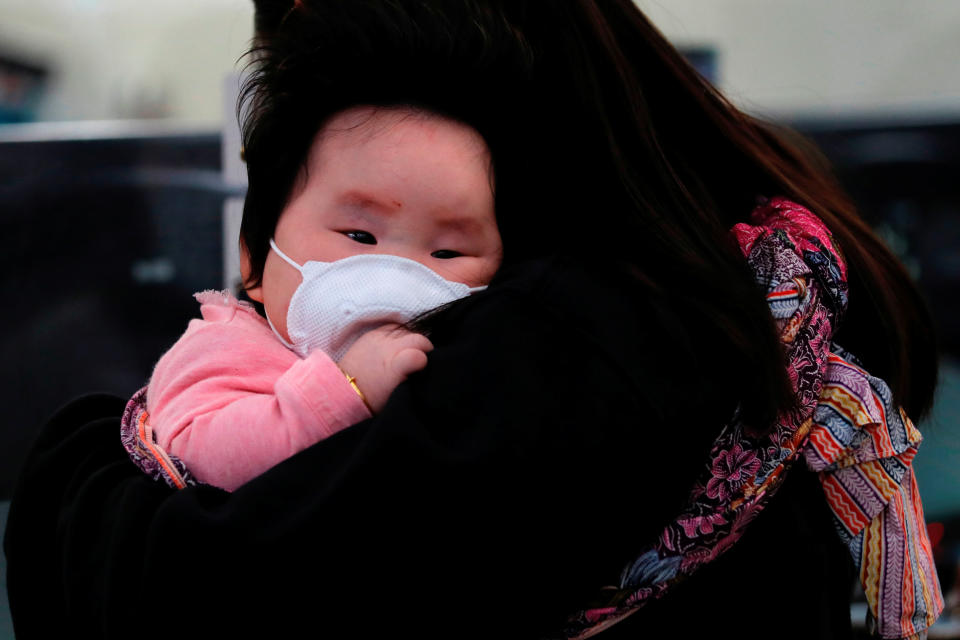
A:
x: 231, y: 401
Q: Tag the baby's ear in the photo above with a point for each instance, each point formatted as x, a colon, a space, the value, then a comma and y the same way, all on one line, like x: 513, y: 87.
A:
x: 254, y: 293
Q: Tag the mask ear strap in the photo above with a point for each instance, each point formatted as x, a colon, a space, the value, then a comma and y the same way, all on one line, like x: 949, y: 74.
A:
x: 288, y: 345
x: 276, y: 249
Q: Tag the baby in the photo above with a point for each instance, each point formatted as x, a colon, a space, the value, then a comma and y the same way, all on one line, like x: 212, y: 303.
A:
x: 392, y: 215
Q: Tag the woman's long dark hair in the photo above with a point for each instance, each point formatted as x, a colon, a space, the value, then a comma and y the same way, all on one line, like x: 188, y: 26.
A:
x: 606, y: 145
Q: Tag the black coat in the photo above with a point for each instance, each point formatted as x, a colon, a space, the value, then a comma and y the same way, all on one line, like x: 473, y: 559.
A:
x: 559, y: 424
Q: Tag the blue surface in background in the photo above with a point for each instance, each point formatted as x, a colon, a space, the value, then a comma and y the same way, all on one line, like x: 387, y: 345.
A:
x: 6, y: 624
x: 937, y: 464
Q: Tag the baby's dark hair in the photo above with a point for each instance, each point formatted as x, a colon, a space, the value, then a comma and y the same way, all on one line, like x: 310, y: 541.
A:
x: 605, y: 144
x: 313, y: 59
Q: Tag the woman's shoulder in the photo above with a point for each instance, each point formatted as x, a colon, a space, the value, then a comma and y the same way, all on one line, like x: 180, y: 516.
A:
x: 668, y: 352
x: 583, y: 296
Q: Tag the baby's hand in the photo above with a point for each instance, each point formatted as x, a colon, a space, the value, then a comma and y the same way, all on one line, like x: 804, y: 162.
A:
x: 383, y: 358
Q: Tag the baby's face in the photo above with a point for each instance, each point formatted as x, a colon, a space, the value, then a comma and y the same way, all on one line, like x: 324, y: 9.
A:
x: 389, y: 182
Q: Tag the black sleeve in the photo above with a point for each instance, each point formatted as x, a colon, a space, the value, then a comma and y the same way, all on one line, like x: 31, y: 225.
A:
x: 497, y: 489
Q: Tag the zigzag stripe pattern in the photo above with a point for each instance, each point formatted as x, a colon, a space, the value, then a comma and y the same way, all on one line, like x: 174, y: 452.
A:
x: 860, y: 491
x: 923, y: 556
x: 882, y: 483
x: 863, y: 449
x: 834, y: 430
x: 845, y: 510
x: 871, y: 567
x: 882, y: 441
x: 824, y: 447
x: 916, y: 512
x: 906, y: 458
x: 898, y: 570
x: 898, y: 588
x: 846, y: 404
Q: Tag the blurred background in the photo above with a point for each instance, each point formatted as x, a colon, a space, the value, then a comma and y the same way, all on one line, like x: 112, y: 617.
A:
x: 121, y: 183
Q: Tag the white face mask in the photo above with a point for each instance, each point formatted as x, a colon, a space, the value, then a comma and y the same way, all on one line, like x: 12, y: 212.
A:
x: 337, y: 302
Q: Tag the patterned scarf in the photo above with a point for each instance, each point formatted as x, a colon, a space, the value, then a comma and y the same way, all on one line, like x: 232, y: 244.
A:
x: 845, y: 427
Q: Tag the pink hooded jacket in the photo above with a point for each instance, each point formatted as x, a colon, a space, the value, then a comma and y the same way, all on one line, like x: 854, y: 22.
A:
x: 231, y: 401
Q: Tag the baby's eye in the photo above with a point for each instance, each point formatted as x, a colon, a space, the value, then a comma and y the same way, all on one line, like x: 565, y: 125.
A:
x: 445, y: 254
x: 363, y: 237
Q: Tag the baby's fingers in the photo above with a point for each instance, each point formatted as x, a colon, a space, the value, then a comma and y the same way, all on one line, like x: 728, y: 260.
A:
x: 411, y: 340
x: 409, y: 360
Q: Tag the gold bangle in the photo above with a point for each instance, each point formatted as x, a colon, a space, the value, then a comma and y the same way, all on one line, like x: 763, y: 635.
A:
x: 353, y: 383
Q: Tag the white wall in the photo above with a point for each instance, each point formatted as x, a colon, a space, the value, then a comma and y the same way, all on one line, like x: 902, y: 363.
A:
x: 128, y: 58
x: 114, y: 57
x: 826, y: 56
